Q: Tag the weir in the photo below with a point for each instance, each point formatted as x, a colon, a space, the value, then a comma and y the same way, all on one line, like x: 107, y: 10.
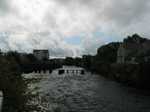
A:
x: 70, y: 70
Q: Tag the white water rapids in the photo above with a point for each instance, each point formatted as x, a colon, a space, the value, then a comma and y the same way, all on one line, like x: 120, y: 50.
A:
x: 85, y: 93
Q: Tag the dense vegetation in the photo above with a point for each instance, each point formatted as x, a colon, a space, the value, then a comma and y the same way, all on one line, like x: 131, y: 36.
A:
x: 13, y: 85
x: 29, y: 63
x: 108, y: 53
x: 72, y: 61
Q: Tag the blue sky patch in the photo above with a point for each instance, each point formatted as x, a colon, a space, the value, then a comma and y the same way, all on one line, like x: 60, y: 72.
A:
x: 75, y: 40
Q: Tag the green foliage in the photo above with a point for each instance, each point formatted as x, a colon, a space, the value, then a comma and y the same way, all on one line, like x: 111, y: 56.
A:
x: 87, y: 61
x: 108, y: 53
x: 72, y: 61
x: 69, y: 61
x: 134, y: 38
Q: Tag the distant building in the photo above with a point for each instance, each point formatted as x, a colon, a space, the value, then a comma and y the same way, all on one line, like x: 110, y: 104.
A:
x: 134, y: 50
x: 41, y: 54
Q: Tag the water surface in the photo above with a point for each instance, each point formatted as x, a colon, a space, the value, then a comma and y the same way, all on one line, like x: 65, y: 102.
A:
x: 88, y: 93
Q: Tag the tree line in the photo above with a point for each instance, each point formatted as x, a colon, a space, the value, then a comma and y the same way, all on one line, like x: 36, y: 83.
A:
x: 12, y: 84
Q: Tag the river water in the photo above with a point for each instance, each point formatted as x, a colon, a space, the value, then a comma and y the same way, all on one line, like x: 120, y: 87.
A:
x: 86, y: 93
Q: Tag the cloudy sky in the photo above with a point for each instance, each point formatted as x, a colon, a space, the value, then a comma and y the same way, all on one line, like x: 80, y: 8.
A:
x: 70, y: 27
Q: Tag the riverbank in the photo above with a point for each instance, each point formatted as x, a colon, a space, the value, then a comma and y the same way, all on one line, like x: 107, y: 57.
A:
x: 133, y: 75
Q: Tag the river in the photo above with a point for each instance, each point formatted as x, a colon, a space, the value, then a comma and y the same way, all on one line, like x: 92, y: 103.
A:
x: 86, y: 93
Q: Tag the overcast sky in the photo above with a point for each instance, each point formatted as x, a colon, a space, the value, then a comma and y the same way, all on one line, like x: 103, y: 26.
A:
x: 70, y: 27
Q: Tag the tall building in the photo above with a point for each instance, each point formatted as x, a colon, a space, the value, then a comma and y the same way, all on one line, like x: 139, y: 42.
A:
x: 134, y: 49
x: 41, y: 54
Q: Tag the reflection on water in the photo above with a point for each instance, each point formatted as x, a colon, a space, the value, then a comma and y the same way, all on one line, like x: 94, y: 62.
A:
x: 87, y: 93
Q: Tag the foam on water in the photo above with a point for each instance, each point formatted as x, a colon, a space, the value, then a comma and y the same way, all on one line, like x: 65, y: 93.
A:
x: 88, y: 93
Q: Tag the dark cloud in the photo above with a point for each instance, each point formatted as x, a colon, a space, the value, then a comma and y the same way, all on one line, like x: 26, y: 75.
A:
x: 126, y: 12
x: 122, y: 12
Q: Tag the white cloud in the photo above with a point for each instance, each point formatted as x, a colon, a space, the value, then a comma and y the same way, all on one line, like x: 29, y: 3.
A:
x: 46, y: 23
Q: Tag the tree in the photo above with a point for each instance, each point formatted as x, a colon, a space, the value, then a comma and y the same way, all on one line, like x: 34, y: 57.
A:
x: 108, y: 53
